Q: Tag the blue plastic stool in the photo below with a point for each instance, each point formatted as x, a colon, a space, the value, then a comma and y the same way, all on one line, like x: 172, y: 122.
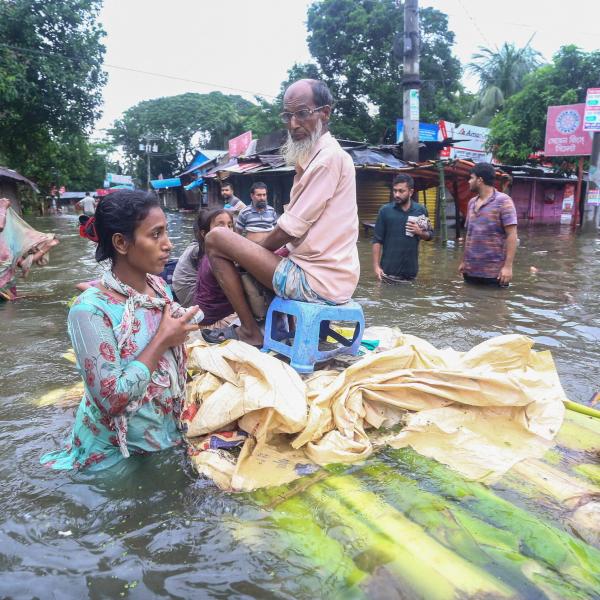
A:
x: 304, y: 351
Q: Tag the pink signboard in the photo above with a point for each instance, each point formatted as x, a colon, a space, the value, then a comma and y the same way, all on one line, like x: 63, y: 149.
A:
x: 564, y: 132
x: 238, y: 145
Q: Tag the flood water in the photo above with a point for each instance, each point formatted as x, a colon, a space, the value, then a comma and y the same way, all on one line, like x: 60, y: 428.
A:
x: 155, y: 530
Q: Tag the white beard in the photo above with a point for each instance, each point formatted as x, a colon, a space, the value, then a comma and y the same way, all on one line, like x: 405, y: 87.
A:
x: 299, y: 152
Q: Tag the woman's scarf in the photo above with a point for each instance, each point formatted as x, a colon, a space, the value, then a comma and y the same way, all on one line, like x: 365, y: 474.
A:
x: 124, y: 331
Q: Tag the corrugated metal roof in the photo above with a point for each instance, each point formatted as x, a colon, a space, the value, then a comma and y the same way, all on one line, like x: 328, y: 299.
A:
x: 12, y: 174
x: 243, y: 167
x: 202, y: 159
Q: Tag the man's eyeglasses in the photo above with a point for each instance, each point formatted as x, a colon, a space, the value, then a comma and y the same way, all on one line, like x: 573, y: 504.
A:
x: 301, y: 115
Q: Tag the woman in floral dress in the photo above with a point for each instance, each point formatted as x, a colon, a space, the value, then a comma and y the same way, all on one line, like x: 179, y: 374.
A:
x: 128, y: 335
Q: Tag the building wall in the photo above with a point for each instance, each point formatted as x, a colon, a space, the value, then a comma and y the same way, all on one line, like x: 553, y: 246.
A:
x: 538, y: 201
x: 373, y: 190
x: 168, y: 199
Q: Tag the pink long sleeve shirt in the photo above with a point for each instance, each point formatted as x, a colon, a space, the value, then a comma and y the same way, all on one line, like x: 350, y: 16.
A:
x: 322, y: 217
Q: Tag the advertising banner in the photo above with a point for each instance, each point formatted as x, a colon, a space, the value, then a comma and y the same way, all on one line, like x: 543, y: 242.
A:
x: 591, y: 114
x: 115, y: 178
x: 472, y: 143
x: 566, y: 214
x: 238, y: 145
x: 564, y: 132
x: 428, y: 132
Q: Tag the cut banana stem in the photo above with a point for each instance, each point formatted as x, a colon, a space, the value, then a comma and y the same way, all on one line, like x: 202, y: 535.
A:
x: 475, y: 540
x: 576, y: 560
x: 416, y: 576
x: 578, y: 436
x: 469, y: 579
x: 589, y: 471
x: 301, y: 535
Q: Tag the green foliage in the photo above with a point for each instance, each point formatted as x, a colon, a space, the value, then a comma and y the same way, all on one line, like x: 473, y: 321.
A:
x: 180, y: 124
x: 501, y: 73
x: 50, y: 81
x: 352, y: 42
x: 520, y: 128
x: 71, y: 161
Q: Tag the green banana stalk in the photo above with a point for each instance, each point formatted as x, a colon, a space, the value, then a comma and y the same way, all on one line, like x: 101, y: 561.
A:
x: 571, y: 492
x: 427, y: 566
x: 301, y: 535
x: 576, y: 435
x: 475, y: 540
x: 375, y: 550
x: 582, y: 409
x: 589, y: 471
x: 577, y: 561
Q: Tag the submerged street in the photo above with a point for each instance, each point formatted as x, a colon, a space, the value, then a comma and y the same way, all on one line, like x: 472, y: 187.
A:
x: 166, y: 532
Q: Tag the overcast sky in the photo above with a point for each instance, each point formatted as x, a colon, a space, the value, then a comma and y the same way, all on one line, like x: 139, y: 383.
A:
x: 156, y: 48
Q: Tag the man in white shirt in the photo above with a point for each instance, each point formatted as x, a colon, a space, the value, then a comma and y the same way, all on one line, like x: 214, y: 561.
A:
x: 88, y: 204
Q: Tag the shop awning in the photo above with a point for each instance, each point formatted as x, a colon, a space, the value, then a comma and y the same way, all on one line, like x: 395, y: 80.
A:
x: 161, y: 184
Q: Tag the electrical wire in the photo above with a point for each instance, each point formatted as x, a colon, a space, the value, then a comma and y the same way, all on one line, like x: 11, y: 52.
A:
x: 140, y: 71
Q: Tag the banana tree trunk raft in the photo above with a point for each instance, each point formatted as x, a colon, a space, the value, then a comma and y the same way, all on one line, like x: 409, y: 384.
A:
x: 475, y: 540
x: 403, y: 525
x: 433, y: 533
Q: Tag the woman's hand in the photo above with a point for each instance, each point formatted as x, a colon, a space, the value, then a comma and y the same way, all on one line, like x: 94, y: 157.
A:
x: 172, y: 331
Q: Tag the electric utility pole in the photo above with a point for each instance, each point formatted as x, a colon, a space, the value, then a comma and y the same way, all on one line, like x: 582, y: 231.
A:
x: 411, y: 82
x: 148, y: 147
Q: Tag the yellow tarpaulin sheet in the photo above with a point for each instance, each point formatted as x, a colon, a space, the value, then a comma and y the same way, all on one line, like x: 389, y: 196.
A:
x: 479, y: 412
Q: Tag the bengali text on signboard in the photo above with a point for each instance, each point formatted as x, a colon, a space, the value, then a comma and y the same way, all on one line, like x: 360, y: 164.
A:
x: 564, y: 132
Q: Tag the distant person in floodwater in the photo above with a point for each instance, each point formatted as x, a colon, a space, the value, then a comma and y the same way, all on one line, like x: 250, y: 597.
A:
x: 491, y: 231
x: 258, y: 219
x: 401, y: 225
x: 128, y: 337
x: 88, y: 205
x: 230, y: 200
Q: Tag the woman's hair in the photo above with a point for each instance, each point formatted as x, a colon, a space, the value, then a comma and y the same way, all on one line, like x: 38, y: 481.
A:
x: 203, y: 223
x: 120, y: 212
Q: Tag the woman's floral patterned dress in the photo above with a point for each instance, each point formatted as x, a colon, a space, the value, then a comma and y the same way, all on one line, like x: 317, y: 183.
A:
x: 125, y: 408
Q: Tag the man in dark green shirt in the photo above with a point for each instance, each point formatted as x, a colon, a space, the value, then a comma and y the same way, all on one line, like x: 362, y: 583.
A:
x: 400, y: 226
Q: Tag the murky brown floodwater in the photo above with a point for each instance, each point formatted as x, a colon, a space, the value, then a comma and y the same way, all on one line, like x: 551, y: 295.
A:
x: 153, y: 529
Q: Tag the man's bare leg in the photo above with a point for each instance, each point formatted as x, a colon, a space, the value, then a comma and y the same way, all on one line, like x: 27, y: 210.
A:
x: 224, y: 248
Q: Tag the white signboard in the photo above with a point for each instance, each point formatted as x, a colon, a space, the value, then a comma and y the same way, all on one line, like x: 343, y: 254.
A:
x: 593, y: 197
x: 413, y: 103
x: 591, y: 114
x: 119, y: 179
x: 473, y: 148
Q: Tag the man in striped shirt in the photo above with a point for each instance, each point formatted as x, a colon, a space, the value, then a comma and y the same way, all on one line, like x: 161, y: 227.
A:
x: 258, y: 219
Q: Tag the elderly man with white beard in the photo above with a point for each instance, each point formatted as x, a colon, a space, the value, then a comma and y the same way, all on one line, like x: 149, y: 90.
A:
x: 319, y: 227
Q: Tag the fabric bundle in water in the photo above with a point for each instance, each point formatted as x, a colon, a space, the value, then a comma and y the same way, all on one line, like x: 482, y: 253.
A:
x: 480, y: 411
x: 20, y: 246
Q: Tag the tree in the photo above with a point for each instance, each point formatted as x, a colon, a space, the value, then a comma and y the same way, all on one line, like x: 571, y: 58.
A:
x: 180, y: 124
x: 501, y: 73
x: 50, y: 81
x: 73, y: 162
x: 519, y: 129
x: 356, y: 47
